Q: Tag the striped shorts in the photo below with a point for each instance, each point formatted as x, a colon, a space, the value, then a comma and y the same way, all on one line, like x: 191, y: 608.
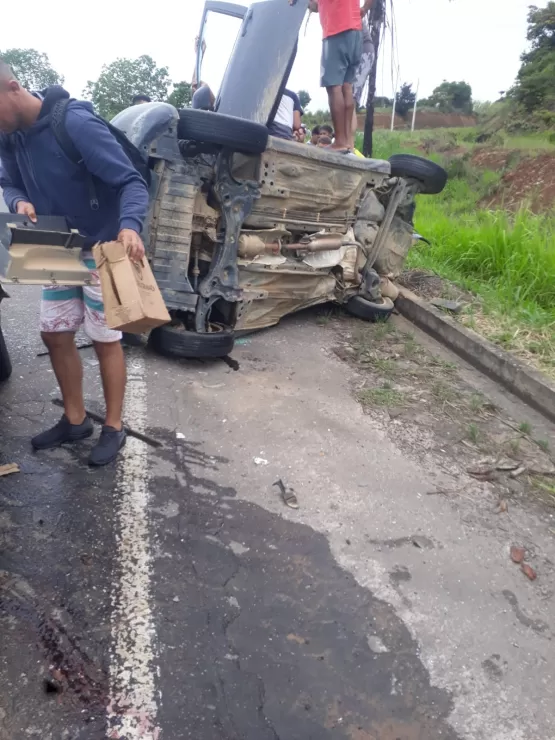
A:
x: 68, y: 308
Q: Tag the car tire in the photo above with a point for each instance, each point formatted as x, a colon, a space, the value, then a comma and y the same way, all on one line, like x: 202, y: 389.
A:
x: 5, y: 362
x: 432, y: 177
x: 176, y: 341
x: 372, y: 311
x: 226, y: 131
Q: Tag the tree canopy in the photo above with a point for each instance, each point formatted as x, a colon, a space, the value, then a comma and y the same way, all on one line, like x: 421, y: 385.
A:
x: 535, y: 85
x: 119, y: 81
x: 404, y: 99
x: 181, y: 95
x: 304, y: 97
x: 32, y: 68
x: 451, y: 97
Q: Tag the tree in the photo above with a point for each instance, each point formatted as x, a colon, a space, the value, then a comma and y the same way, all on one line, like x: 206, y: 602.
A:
x: 181, y: 95
x: 121, y: 80
x: 535, y: 86
x: 305, y: 98
x: 449, y: 97
x: 382, y: 102
x: 405, y: 99
x: 32, y: 68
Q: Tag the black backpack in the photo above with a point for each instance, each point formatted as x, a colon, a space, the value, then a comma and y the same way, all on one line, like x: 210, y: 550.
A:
x: 58, y: 126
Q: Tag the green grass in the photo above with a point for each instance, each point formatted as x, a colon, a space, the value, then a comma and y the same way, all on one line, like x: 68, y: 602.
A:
x: 385, y: 396
x: 474, y: 433
x: 506, y: 259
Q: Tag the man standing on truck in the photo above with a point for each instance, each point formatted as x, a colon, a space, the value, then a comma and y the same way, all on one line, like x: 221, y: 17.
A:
x: 341, y: 53
x: 37, y: 176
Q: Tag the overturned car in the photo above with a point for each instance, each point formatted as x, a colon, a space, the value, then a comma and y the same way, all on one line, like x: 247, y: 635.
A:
x: 245, y: 228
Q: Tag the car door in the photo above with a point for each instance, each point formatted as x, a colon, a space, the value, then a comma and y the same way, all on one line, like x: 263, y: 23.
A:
x: 259, y: 64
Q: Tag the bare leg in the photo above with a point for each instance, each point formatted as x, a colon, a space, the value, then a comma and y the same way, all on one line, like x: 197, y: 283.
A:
x: 349, y: 103
x: 68, y: 369
x: 355, y: 122
x: 112, y: 369
x: 337, y: 108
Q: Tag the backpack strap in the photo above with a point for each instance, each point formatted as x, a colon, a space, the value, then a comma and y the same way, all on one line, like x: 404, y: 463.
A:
x: 6, y: 143
x: 65, y: 142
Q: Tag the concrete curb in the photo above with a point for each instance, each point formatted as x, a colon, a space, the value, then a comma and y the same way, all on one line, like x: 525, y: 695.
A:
x: 531, y: 386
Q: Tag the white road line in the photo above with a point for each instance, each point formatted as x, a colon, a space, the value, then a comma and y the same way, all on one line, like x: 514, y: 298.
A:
x: 133, y: 670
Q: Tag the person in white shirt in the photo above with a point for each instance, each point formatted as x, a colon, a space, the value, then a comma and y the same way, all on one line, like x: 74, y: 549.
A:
x: 287, y: 120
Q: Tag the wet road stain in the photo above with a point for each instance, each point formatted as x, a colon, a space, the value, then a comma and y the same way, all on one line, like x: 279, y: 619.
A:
x: 535, y: 624
x: 270, y: 640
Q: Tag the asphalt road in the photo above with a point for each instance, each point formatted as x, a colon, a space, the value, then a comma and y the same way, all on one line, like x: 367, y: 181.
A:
x: 174, y: 595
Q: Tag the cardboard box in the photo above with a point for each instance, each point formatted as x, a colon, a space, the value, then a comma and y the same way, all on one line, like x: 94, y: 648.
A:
x: 132, y: 299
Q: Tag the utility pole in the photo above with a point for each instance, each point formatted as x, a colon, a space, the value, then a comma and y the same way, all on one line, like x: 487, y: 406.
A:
x: 376, y: 18
x: 395, y: 100
x: 415, y: 104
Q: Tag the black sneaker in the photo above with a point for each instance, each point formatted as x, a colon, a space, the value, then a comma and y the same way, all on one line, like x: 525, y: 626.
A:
x: 109, y: 444
x: 63, y: 432
x: 132, y: 340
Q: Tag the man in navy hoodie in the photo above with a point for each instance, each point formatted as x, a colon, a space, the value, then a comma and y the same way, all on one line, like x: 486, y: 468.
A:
x: 38, y: 177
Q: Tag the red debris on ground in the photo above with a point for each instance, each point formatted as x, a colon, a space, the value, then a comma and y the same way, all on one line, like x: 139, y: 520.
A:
x: 529, y: 571
x: 517, y: 554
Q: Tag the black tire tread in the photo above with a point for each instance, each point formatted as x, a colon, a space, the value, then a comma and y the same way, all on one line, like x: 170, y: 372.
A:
x: 226, y: 131
x: 173, y: 341
x: 5, y: 362
x: 367, y: 310
x: 431, y: 175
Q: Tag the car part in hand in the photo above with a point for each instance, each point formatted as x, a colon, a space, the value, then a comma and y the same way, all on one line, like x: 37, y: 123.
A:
x: 175, y: 341
x: 372, y: 311
x: 432, y: 177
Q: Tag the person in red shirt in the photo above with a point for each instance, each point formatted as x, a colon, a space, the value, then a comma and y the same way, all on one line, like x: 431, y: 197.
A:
x: 341, y: 52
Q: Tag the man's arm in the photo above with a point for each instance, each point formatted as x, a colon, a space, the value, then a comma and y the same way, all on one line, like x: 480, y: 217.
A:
x: 105, y: 159
x: 297, y: 111
x: 366, y: 7
x: 10, y: 178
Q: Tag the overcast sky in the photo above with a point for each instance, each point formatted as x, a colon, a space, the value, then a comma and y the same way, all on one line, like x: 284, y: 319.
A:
x: 479, y: 41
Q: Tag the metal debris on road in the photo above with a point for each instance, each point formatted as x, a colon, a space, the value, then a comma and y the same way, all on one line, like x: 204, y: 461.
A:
x: 79, y: 346
x: 287, y: 494
x: 130, y: 432
x: 259, y: 461
x: 9, y: 468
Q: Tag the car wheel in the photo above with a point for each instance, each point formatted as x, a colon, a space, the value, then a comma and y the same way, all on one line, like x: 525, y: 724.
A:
x: 5, y: 362
x: 226, y: 131
x: 432, y: 177
x: 373, y: 311
x: 176, y: 341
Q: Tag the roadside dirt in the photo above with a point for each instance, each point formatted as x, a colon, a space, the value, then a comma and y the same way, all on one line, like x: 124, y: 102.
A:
x: 529, y: 183
x: 528, y: 179
x: 435, y: 416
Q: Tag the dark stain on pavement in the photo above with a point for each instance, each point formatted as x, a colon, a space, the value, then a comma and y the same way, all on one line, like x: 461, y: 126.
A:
x: 263, y: 636
x: 535, y: 624
x: 56, y: 550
